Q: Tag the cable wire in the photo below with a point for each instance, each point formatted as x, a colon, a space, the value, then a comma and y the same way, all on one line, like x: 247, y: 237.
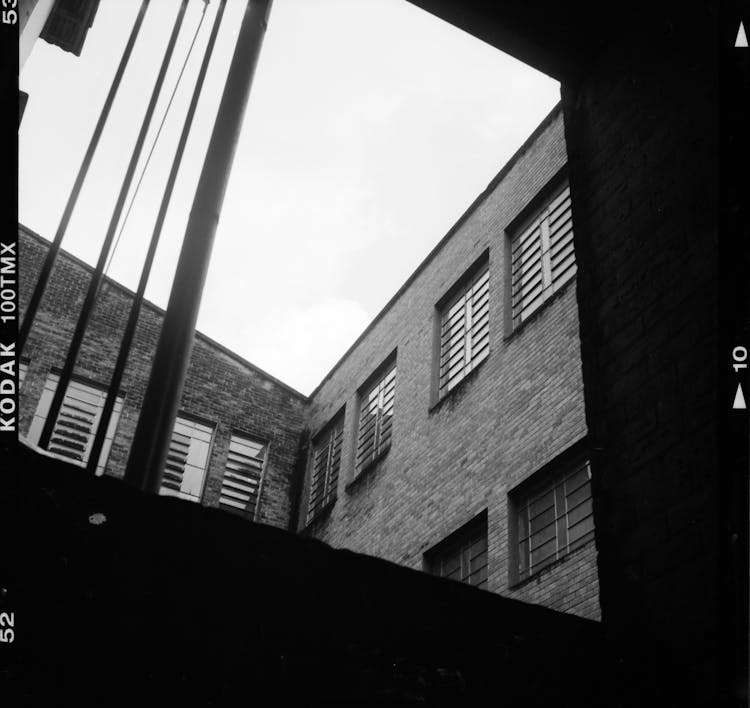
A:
x: 156, y: 139
x: 54, y: 248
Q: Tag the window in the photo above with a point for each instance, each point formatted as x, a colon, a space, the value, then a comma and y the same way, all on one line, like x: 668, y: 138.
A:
x: 542, y: 256
x: 463, y: 555
x: 554, y: 520
x: 187, y: 460
x: 375, y: 419
x: 77, y: 422
x: 326, y: 462
x: 240, y: 486
x: 464, y: 331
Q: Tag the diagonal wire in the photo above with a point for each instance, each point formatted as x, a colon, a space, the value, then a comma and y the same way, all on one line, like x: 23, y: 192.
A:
x: 156, y: 139
x: 54, y: 249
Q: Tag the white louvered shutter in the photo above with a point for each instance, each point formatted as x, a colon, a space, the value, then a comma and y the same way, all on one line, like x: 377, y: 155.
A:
x: 375, y: 421
x: 240, y: 486
x: 77, y: 421
x: 543, y: 259
x: 464, y: 332
x: 326, y: 463
x: 187, y: 460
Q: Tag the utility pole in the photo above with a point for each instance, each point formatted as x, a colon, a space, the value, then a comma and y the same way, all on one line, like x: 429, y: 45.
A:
x: 161, y: 401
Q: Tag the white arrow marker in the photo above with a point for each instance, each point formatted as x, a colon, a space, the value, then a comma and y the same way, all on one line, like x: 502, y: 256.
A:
x: 739, y: 398
x: 741, y: 40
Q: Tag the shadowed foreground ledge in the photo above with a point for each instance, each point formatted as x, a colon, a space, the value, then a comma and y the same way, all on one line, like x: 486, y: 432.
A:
x: 169, y: 599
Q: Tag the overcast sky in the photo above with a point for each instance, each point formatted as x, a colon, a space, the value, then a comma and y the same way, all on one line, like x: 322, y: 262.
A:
x: 371, y: 126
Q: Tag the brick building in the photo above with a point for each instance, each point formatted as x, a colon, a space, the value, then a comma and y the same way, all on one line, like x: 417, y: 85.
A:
x: 471, y: 428
x: 238, y: 428
x: 650, y: 141
x: 450, y: 437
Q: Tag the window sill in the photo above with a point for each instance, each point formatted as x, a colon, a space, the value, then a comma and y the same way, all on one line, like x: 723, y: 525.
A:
x: 450, y: 395
x: 320, y: 515
x: 366, y: 471
x: 539, y: 310
x: 537, y: 575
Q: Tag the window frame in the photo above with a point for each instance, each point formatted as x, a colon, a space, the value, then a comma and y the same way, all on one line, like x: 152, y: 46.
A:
x: 550, y: 480
x: 380, y: 381
x: 458, y: 541
x: 90, y: 388
x: 537, y: 215
x: 190, y: 420
x: 330, y: 436
x: 469, y: 280
x: 236, y: 486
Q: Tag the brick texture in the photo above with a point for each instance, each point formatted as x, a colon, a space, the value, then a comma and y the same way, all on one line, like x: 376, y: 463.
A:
x: 448, y: 462
x: 220, y: 389
x: 641, y: 133
x: 520, y: 409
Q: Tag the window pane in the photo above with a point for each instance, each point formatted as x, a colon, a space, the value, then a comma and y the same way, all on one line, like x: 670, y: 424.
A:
x: 523, y: 558
x: 478, y: 578
x: 464, y: 332
x: 523, y: 523
x: 542, y: 520
x: 578, y: 495
x: 80, y: 412
x: 451, y: 564
x: 187, y: 460
x: 578, y: 477
x: 541, y: 503
x: 543, y: 554
x: 579, y: 512
x: 542, y: 536
x: 374, y: 429
x: 554, y: 521
x: 581, y: 528
x: 242, y: 473
x: 537, y: 274
x: 327, y: 460
x: 465, y: 559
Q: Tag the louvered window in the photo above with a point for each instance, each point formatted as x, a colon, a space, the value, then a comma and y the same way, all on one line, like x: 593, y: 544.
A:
x: 187, y: 460
x: 240, y: 486
x: 326, y: 463
x: 555, y: 520
x: 463, y: 556
x: 543, y: 259
x: 79, y: 416
x: 464, y: 332
x: 375, y: 421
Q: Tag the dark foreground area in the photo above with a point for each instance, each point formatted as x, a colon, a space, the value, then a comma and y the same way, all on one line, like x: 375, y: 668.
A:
x: 120, y: 596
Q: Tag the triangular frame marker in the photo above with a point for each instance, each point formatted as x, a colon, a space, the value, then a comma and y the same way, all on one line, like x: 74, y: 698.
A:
x: 739, y: 399
x: 741, y: 40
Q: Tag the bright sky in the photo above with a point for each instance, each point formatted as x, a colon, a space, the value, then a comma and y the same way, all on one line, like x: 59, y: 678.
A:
x: 371, y: 127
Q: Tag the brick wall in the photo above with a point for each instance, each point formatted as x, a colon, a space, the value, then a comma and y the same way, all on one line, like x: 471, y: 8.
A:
x: 220, y: 389
x: 448, y: 462
x: 520, y: 409
x: 641, y: 132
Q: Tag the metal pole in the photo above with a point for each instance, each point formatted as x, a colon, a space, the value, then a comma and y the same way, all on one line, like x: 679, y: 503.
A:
x: 54, y: 248
x: 154, y: 431
x: 135, y: 308
x: 98, y: 275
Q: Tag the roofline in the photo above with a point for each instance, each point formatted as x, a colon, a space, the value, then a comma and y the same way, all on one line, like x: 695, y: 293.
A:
x: 472, y: 207
x: 160, y: 311
x: 430, y: 256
